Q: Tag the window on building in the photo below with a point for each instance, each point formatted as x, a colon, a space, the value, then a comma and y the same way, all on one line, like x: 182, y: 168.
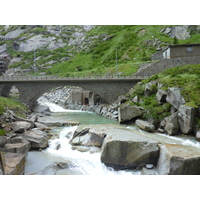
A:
x: 189, y: 48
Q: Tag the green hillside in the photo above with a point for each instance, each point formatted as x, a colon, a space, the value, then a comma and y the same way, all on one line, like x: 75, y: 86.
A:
x: 102, y: 49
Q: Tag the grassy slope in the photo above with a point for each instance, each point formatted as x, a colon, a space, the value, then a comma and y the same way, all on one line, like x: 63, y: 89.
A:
x: 186, y: 77
x: 11, y: 104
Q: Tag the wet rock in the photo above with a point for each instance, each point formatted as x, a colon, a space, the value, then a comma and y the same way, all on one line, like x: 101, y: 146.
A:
x: 128, y: 113
x: 83, y: 136
x: 186, y: 116
x: 51, y: 122
x: 146, y: 171
x: 144, y: 125
x: 86, y: 149
x: 178, y: 159
x: 13, y: 163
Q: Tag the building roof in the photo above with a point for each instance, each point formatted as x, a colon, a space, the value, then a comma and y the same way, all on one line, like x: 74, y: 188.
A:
x: 183, y: 45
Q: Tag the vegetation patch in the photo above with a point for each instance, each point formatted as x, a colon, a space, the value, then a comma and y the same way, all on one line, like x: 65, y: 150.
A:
x: 11, y: 104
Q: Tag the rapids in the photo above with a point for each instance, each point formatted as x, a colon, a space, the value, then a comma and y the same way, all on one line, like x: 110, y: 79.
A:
x: 65, y: 161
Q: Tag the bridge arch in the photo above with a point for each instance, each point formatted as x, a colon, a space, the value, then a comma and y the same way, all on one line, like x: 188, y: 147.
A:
x: 11, y: 91
x: 106, y: 90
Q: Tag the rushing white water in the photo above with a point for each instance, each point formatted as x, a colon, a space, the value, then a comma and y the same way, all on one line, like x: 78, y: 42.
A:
x: 84, y: 162
x: 60, y: 151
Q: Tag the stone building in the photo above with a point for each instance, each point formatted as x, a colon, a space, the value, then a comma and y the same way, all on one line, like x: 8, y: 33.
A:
x: 181, y: 50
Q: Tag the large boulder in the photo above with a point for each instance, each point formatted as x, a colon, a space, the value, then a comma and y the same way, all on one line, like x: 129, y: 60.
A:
x: 38, y: 139
x: 186, y: 116
x: 17, y: 148
x: 171, y: 126
x: 85, y: 137
x: 128, y: 149
x: 144, y: 125
x: 13, y: 163
x: 176, y: 159
x: 20, y: 126
x: 128, y: 113
x: 174, y: 97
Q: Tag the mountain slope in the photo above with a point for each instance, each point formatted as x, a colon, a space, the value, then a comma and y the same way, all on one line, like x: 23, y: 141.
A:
x: 70, y: 50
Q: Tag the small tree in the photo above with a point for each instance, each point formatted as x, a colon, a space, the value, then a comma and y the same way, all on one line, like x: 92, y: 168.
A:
x: 175, y: 40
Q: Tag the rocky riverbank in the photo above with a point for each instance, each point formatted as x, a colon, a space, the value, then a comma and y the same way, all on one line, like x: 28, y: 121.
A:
x: 24, y: 135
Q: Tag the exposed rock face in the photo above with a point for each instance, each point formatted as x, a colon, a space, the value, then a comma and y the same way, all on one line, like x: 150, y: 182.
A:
x: 128, y: 113
x: 178, y: 160
x: 171, y: 126
x: 174, y: 97
x: 144, y: 125
x: 186, y: 116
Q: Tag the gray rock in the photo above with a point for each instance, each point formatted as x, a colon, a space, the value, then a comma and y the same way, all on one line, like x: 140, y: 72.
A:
x: 13, y: 163
x: 38, y: 139
x: 171, y: 126
x: 17, y: 148
x: 42, y: 127
x: 186, y: 116
x: 144, y: 125
x: 41, y: 108
x: 197, y: 136
x: 174, y: 97
x: 150, y: 89
x: 178, y: 159
x: 180, y: 32
x: 161, y: 96
x: 126, y: 149
x: 3, y: 141
x: 3, y: 48
x: 20, y: 126
x: 34, y: 43
x: 128, y: 113
x: 15, y: 33
x: 84, y: 137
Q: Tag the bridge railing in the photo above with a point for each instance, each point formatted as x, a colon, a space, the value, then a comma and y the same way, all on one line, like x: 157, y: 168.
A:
x: 75, y: 76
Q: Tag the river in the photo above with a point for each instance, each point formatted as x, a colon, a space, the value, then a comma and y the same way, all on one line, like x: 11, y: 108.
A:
x: 50, y: 160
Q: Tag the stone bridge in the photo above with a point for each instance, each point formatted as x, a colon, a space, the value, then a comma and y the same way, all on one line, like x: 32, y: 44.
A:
x: 31, y: 88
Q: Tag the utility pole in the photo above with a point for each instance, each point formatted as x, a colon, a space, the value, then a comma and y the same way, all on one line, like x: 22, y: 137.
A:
x: 34, y: 64
x: 116, y: 63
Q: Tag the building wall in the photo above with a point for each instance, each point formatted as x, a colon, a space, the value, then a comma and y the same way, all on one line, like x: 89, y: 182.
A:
x: 184, y: 51
x: 166, y: 53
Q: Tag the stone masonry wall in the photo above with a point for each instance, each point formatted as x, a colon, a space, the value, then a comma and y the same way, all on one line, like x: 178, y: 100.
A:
x: 161, y: 65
